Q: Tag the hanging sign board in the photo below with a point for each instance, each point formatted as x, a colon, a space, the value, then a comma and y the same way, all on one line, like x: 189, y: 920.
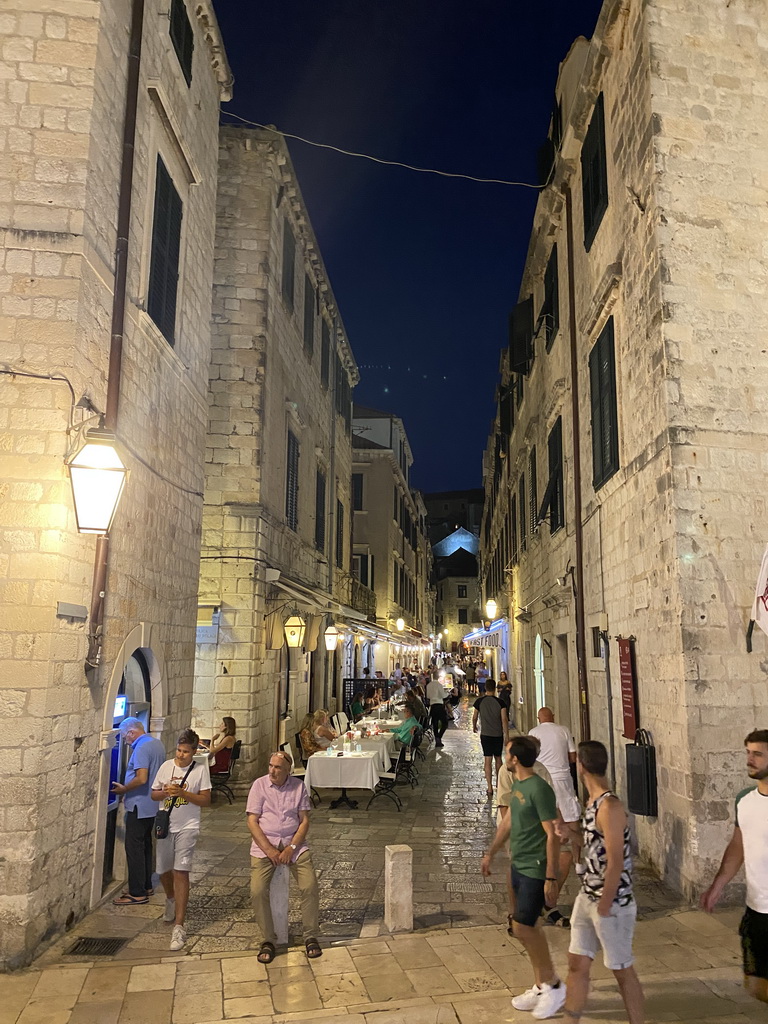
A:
x: 628, y: 686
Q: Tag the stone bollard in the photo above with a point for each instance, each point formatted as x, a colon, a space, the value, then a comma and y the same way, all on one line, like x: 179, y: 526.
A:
x: 278, y: 902
x: 398, y: 888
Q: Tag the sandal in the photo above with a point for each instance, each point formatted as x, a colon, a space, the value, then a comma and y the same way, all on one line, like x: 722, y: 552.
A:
x: 126, y: 900
x: 313, y: 949
x: 266, y: 953
x: 510, y: 928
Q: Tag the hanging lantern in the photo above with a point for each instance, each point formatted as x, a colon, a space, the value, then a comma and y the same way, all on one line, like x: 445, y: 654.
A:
x: 294, y: 628
x: 97, y: 474
x: 331, y: 638
x: 491, y: 608
x: 400, y: 625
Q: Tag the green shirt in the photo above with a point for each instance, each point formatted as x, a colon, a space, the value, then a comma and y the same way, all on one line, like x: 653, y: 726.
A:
x: 531, y: 801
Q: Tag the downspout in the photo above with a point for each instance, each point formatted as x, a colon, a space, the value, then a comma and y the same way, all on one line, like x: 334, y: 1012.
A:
x: 332, y: 499
x: 581, y: 651
x: 118, y: 312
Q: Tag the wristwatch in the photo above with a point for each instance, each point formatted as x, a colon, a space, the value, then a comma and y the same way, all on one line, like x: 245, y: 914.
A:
x: 292, y: 846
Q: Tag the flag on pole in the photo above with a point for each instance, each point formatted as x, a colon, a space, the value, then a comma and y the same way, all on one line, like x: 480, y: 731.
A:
x: 759, y: 614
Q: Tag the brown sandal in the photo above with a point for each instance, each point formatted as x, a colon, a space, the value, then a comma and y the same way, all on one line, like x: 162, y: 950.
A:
x: 313, y: 949
x: 266, y: 953
x: 510, y: 928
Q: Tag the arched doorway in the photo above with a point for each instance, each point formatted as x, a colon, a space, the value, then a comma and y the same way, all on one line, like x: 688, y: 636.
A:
x: 538, y: 673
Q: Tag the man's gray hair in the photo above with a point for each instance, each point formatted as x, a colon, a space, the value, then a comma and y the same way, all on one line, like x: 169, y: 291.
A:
x: 131, y: 723
x: 285, y: 754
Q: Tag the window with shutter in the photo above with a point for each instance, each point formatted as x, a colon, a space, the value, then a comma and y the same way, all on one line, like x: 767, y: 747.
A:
x: 462, y: 590
x: 288, y: 279
x: 292, y: 482
x: 594, y: 174
x: 320, y: 511
x: 533, y: 502
x: 182, y: 37
x: 339, y: 535
x: 325, y: 353
x: 605, y: 429
x: 521, y: 336
x: 550, y: 309
x: 513, y: 527
x: 357, y: 492
x: 522, y: 506
x: 463, y: 616
x: 396, y: 581
x: 554, y: 503
x: 166, y: 249
x: 309, y: 316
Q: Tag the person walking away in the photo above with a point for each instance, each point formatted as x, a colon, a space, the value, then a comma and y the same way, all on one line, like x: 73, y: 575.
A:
x: 437, y: 713
x: 749, y: 846
x: 277, y: 812
x: 147, y: 754
x: 605, y: 910
x: 184, y: 787
x: 494, y: 730
x: 470, y: 677
x: 557, y: 751
x: 534, y: 848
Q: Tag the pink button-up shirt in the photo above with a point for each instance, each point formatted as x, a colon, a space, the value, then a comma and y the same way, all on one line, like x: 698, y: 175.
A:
x: 278, y: 808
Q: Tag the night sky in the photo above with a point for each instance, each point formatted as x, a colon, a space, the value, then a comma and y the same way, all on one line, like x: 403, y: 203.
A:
x: 425, y: 269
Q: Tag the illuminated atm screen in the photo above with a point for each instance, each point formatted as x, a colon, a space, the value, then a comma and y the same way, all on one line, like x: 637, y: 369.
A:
x: 121, y: 706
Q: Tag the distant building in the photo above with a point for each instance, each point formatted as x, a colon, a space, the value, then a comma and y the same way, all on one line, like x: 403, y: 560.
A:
x: 457, y: 608
x: 644, y: 532
x: 450, y: 510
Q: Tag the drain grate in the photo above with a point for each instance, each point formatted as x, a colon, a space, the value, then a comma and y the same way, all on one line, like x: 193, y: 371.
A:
x: 468, y: 887
x: 96, y: 947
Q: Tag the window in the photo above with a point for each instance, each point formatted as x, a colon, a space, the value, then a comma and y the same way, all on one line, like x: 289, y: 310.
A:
x: 605, y: 431
x: 339, y: 535
x: 521, y: 336
x: 325, y: 353
x: 513, y: 528
x: 309, y: 316
x: 597, y: 647
x: 182, y: 37
x: 550, y: 310
x: 362, y: 568
x: 288, y: 280
x: 594, y: 174
x: 463, y: 616
x: 164, y: 260
x: 462, y: 589
x: 396, y: 583
x: 357, y: 491
x: 292, y: 483
x: 533, y: 502
x: 396, y: 506
x: 522, y: 506
x: 320, y: 511
x: 553, y: 504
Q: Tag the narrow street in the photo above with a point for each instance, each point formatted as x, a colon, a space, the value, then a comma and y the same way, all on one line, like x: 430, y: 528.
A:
x: 459, y: 966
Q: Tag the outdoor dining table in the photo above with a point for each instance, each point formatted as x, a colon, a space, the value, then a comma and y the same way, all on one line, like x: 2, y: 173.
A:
x: 383, y: 744
x: 356, y: 770
x: 383, y: 723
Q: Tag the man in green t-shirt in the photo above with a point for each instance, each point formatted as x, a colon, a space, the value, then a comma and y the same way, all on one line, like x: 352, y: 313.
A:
x: 534, y: 850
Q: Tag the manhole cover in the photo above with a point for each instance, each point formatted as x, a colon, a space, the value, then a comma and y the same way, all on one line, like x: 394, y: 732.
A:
x: 468, y: 887
x: 96, y: 947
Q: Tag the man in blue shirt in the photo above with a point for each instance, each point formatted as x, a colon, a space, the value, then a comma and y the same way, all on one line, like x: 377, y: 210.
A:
x: 147, y: 754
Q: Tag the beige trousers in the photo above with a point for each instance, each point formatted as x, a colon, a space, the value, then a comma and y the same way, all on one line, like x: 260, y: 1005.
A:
x: 303, y: 873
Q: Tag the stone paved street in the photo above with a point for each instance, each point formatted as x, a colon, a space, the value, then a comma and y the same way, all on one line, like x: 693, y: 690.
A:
x: 458, y: 967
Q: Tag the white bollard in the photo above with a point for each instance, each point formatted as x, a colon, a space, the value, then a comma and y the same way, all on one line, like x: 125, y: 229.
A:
x: 278, y: 902
x: 398, y: 888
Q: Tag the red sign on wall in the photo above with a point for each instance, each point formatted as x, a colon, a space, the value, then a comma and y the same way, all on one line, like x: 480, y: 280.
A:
x: 628, y: 686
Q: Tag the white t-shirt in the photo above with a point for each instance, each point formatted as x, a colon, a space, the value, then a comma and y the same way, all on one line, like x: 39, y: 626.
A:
x: 556, y: 743
x: 752, y: 819
x: 184, y: 814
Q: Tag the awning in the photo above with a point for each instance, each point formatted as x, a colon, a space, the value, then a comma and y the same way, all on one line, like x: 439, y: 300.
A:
x: 316, y: 600
x: 478, y: 635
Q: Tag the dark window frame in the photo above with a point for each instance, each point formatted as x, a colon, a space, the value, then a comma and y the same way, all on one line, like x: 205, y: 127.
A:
x: 309, y: 316
x: 325, y: 353
x: 604, y: 406
x: 288, y: 275
x: 321, y: 486
x: 550, y: 307
x: 182, y: 36
x: 292, y: 482
x: 522, y: 505
x: 339, y: 534
x: 461, y: 590
x: 533, y: 496
x: 463, y: 616
x: 358, y: 491
x: 594, y: 174
x: 165, y: 254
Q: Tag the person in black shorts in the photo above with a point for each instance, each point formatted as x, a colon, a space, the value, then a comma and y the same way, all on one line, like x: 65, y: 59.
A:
x: 491, y: 715
x: 749, y: 846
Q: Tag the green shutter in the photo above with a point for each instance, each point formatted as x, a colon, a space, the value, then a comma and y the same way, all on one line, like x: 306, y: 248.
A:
x: 166, y: 249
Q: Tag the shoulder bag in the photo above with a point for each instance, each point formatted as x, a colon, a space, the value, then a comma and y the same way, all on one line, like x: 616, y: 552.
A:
x: 163, y: 817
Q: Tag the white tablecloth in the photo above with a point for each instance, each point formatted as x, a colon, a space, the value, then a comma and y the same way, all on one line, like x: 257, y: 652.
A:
x: 383, y: 723
x: 384, y: 745
x: 351, y: 771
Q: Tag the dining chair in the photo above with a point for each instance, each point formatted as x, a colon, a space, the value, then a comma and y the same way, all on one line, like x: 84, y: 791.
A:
x: 299, y: 771
x: 389, y: 780
x: 219, y: 780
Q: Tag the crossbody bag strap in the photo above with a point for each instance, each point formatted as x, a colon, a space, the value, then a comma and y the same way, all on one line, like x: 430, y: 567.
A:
x: 186, y: 776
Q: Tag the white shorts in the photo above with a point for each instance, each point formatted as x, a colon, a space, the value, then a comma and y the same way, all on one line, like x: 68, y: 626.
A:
x: 590, y: 932
x: 567, y: 801
x: 174, y: 853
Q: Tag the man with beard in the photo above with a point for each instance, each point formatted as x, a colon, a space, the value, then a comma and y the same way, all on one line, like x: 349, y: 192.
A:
x: 749, y: 846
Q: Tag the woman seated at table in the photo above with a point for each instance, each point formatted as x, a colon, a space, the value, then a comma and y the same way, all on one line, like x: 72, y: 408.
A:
x: 316, y: 734
x: 370, y: 698
x: 358, y: 707
x: 220, y: 747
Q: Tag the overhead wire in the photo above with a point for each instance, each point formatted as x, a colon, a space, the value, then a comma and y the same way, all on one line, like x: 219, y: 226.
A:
x: 381, y: 160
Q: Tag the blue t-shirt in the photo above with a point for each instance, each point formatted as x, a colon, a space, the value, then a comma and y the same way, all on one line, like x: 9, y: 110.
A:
x: 149, y: 753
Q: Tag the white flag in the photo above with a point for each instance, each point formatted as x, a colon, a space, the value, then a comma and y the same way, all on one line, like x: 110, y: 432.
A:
x: 760, y: 605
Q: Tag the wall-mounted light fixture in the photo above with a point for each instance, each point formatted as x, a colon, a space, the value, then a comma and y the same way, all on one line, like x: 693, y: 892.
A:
x: 294, y: 628
x: 400, y: 625
x: 491, y: 608
x: 98, y: 475
x: 331, y: 636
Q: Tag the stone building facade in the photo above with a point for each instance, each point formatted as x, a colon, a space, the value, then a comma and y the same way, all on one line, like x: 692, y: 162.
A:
x: 391, y: 553
x: 278, y: 513
x: 646, y: 271
x: 64, y: 100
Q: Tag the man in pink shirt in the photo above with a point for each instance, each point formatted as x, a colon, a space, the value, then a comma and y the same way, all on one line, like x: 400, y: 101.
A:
x: 277, y: 813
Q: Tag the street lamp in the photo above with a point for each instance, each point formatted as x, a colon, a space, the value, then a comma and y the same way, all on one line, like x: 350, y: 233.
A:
x: 331, y: 636
x: 491, y: 608
x: 294, y: 630
x: 97, y: 474
x: 400, y: 625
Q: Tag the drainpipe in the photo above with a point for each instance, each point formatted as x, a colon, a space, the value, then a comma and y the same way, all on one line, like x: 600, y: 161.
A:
x: 118, y: 311
x: 581, y: 651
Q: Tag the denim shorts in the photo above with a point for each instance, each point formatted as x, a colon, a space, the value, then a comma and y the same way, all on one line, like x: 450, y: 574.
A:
x: 590, y: 932
x: 529, y: 898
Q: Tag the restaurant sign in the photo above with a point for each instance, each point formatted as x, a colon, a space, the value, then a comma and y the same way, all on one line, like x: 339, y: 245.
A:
x: 628, y: 675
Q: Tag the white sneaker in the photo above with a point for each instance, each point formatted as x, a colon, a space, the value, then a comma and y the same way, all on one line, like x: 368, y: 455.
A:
x: 527, y: 1000
x: 550, y: 1001
x: 178, y: 939
x: 169, y: 916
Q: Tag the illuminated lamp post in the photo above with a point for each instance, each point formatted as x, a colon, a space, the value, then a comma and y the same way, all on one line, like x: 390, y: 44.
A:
x: 97, y: 474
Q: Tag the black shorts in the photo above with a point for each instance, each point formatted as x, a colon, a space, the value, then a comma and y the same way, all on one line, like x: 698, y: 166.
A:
x: 492, y: 745
x: 754, y: 943
x: 529, y: 898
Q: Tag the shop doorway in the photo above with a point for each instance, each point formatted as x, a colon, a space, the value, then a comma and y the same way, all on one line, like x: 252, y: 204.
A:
x: 133, y: 700
x: 562, y: 682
